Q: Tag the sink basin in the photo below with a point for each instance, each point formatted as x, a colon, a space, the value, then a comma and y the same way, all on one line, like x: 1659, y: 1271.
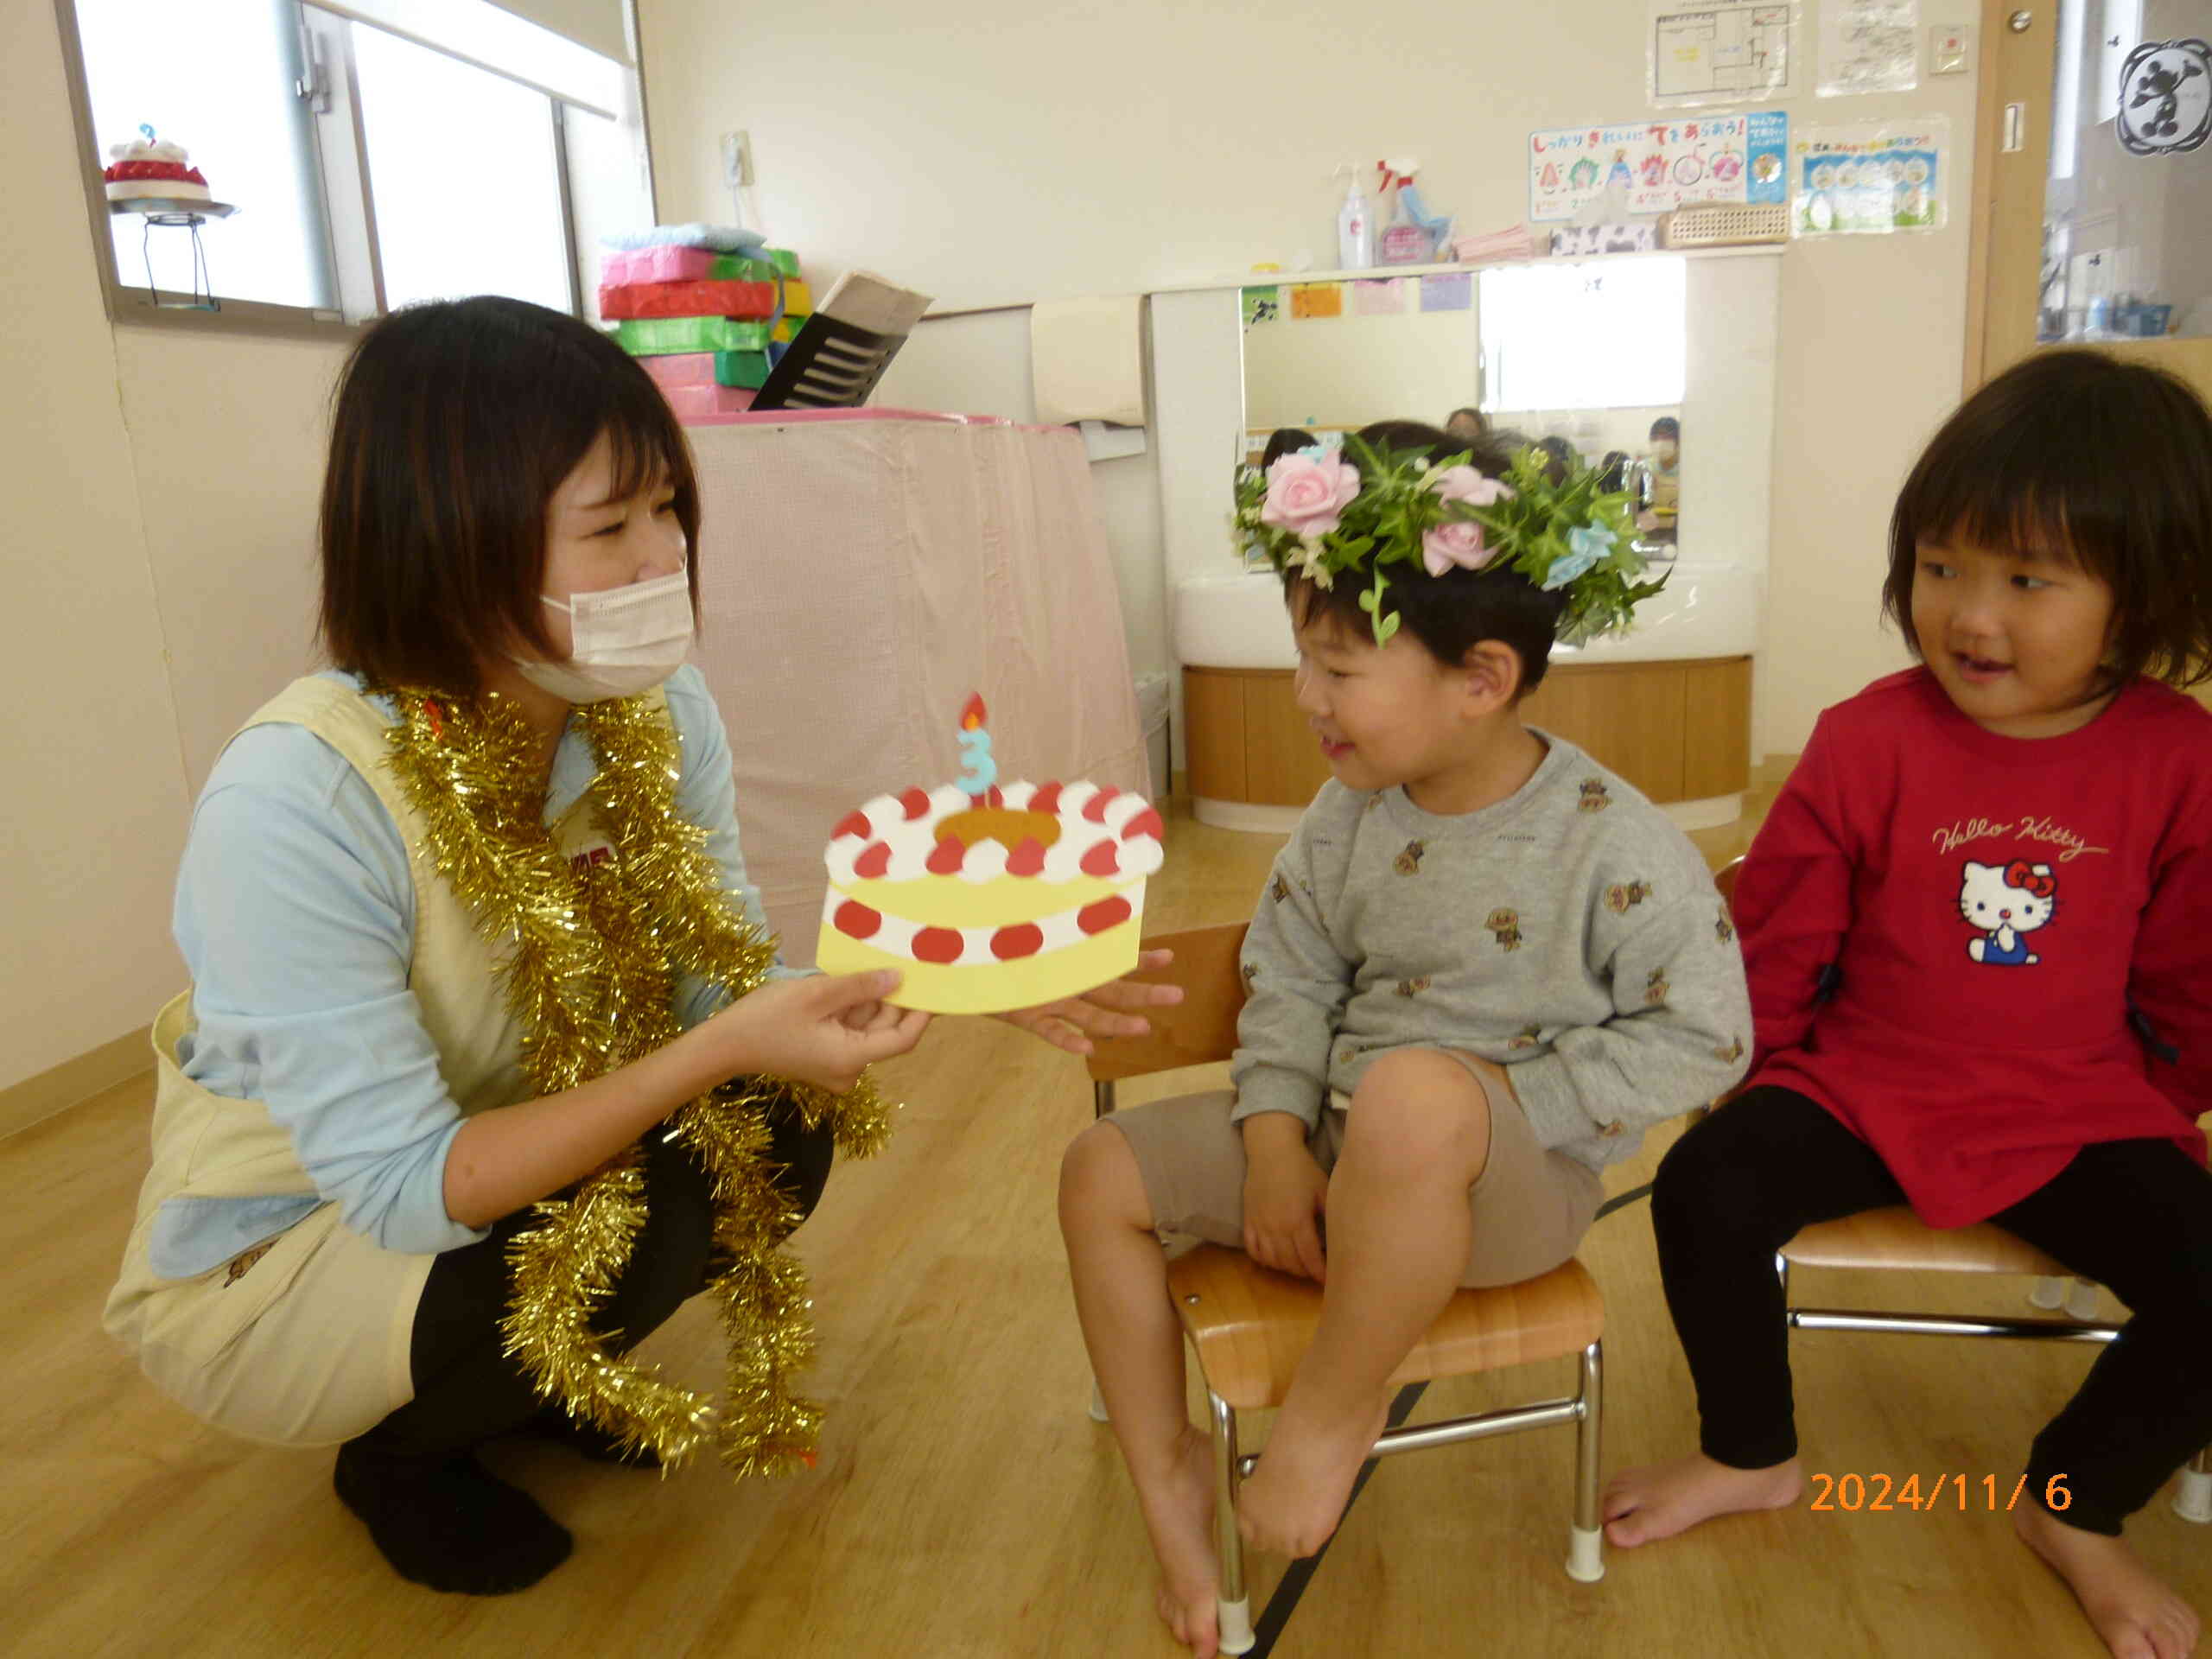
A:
x: 1238, y: 621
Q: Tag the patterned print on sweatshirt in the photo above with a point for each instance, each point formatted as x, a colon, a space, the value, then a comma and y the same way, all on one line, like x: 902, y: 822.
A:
x: 1622, y: 896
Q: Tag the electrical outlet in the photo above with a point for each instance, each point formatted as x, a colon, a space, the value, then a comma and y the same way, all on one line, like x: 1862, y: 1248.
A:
x: 737, y: 159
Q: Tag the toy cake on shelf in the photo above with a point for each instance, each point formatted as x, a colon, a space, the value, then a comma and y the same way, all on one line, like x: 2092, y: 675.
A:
x: 148, y: 168
x: 987, y: 899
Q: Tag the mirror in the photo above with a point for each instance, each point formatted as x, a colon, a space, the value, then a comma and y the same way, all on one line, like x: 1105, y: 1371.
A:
x: 1584, y: 359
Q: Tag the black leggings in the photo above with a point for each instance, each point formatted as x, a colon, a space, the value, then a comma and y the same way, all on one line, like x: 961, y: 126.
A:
x: 2134, y: 1216
x: 466, y: 1391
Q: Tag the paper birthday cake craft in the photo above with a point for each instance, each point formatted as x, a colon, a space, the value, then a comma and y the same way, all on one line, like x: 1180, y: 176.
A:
x: 985, y: 897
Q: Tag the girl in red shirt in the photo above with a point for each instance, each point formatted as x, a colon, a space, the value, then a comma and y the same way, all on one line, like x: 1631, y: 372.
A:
x: 1978, y: 929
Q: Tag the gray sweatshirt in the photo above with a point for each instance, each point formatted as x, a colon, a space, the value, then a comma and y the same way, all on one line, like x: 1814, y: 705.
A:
x: 1569, y: 933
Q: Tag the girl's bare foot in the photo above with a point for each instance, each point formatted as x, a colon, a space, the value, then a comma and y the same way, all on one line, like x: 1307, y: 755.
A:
x: 1179, y: 1515
x: 1297, y: 1494
x: 2138, y: 1617
x: 1661, y: 1499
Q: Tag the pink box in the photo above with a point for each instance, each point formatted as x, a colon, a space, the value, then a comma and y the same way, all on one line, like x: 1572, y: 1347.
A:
x: 658, y: 265
x: 693, y: 403
x: 682, y: 368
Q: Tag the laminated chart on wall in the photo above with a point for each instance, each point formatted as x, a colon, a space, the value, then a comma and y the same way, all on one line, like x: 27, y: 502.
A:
x: 1659, y: 166
x: 1262, y: 305
x: 1871, y: 177
x: 1311, y: 300
x: 1721, y: 54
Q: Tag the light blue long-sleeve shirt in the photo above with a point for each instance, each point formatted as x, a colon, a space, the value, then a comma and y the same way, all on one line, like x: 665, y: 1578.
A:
x: 295, y: 914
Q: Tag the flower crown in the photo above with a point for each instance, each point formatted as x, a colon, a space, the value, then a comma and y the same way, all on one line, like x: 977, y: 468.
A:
x: 1316, y: 513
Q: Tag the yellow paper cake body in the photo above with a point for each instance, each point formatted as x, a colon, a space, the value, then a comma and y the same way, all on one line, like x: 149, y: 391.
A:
x: 977, y: 926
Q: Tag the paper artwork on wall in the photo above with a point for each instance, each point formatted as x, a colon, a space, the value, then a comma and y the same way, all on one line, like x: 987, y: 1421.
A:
x: 1869, y: 45
x: 1447, y: 291
x: 1869, y: 177
x: 1381, y: 298
x: 1262, y: 305
x: 1309, y: 301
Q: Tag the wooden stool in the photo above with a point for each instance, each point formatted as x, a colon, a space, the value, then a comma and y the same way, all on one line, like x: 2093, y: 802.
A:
x: 1894, y: 1238
x: 1250, y: 1326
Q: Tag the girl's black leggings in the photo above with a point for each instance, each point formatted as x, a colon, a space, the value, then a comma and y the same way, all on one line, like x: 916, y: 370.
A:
x: 2134, y: 1216
x: 466, y: 1391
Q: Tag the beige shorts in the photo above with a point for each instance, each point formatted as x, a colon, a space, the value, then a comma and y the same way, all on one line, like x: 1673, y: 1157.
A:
x: 1530, y: 1206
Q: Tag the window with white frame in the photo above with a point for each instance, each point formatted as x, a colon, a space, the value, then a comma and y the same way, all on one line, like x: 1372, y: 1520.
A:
x: 1610, y: 335
x: 377, y: 152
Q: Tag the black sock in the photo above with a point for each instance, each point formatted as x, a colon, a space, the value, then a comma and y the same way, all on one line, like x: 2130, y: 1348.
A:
x: 588, y: 1440
x: 447, y: 1522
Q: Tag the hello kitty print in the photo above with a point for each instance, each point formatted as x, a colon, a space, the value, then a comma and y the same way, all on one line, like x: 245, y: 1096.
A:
x: 2006, y: 903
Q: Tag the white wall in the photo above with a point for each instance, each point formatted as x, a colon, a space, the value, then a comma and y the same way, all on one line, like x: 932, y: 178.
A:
x: 161, y: 492
x: 994, y: 150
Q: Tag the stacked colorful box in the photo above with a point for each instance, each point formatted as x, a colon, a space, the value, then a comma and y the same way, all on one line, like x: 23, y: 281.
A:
x: 710, y: 317
x: 687, y: 380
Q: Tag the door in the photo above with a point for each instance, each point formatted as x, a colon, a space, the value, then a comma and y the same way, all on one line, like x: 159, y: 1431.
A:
x: 2097, y: 132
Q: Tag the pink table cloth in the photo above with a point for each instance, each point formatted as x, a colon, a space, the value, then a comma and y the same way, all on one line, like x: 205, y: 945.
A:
x: 861, y: 573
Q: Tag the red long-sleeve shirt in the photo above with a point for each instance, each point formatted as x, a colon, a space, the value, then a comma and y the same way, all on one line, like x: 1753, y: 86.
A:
x: 1985, y: 911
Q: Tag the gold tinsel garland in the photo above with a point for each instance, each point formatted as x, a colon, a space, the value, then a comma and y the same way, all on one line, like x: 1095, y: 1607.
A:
x: 593, y: 955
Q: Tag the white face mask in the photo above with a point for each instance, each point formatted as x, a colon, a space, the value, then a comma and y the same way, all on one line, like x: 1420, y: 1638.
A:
x: 622, y: 641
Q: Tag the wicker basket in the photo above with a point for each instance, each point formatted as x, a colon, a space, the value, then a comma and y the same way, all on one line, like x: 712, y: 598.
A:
x: 1722, y: 225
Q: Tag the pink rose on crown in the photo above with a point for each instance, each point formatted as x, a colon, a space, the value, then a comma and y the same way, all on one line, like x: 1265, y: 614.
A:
x: 1308, y: 497
x: 1457, y: 543
x: 1465, y: 484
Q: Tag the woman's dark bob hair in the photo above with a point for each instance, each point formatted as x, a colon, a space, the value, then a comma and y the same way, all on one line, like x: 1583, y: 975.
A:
x: 2083, y: 459
x: 1449, y: 614
x: 453, y: 424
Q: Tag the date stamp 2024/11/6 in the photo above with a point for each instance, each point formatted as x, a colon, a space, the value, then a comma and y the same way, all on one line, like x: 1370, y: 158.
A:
x: 1877, y: 1492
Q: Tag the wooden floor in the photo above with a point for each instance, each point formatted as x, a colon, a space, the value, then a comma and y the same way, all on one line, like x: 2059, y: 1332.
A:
x: 965, y: 1504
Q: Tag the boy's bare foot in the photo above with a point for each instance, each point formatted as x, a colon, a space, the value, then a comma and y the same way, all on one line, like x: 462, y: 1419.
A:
x: 2138, y: 1617
x: 1179, y: 1515
x: 1297, y: 1494
x: 1661, y: 1499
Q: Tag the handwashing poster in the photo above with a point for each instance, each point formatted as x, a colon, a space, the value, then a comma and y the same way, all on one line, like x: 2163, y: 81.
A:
x: 1659, y: 166
x: 1852, y: 179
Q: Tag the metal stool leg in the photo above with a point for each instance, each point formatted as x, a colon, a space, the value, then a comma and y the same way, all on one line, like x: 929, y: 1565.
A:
x: 2193, y: 1497
x: 1235, y: 1604
x: 1586, y: 1556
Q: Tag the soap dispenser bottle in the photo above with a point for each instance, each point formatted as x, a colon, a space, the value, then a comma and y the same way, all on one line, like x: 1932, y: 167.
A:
x: 1355, y: 227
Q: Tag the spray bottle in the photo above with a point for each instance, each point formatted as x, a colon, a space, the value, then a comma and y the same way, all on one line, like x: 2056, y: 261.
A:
x: 1354, y: 226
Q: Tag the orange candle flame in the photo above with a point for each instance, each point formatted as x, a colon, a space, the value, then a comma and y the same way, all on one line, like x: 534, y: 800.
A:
x: 973, y: 714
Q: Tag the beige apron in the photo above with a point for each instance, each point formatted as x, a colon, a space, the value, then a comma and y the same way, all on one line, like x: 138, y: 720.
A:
x: 309, y: 1344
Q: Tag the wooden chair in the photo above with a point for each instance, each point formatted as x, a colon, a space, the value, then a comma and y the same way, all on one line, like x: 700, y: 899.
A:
x: 1250, y: 1326
x: 1894, y: 1238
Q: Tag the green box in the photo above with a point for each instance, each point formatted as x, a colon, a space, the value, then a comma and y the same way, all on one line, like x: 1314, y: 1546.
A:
x: 736, y: 267
x: 783, y: 259
x: 664, y: 336
x: 748, y: 369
